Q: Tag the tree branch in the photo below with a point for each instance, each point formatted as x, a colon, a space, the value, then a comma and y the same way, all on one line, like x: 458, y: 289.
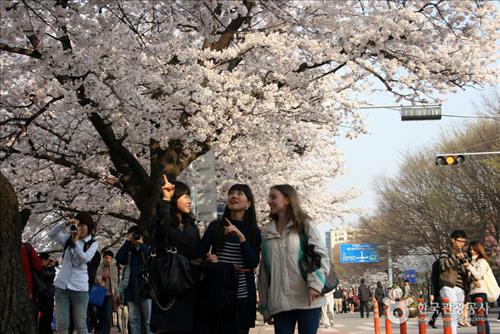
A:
x: 22, y: 51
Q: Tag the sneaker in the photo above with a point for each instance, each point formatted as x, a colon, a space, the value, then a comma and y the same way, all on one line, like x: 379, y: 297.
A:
x: 432, y: 324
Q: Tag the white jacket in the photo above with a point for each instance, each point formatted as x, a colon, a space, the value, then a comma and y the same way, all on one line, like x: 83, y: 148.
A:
x: 478, y: 268
x: 281, y: 285
x: 73, y: 274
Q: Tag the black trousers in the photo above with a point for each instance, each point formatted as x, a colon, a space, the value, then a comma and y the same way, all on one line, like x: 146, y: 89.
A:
x: 364, y: 306
x: 46, y: 309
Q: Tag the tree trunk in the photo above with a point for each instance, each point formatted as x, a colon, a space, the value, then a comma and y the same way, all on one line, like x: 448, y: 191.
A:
x: 16, y: 314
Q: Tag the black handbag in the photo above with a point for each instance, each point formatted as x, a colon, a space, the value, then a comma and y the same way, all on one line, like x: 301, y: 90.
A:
x: 165, y: 276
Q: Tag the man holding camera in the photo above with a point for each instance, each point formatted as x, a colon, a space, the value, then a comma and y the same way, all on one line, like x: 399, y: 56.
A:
x: 453, y: 275
x: 133, y: 255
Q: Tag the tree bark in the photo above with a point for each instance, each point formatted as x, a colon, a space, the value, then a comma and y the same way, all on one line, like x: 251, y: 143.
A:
x: 16, y: 313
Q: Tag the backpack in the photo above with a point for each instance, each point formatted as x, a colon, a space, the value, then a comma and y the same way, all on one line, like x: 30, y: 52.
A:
x: 93, y: 264
x: 435, y: 281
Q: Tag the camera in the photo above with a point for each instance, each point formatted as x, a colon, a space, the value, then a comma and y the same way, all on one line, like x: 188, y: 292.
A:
x: 73, y: 228
x: 136, y: 235
x: 466, y: 258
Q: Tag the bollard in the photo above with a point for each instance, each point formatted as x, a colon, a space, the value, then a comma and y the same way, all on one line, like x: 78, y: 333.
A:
x: 421, y: 317
x: 388, y: 323
x: 376, y: 317
x: 446, y: 317
x: 402, y: 328
x: 480, y: 316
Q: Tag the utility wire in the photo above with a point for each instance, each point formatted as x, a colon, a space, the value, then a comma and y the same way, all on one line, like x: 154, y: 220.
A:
x: 481, y: 143
x: 463, y: 116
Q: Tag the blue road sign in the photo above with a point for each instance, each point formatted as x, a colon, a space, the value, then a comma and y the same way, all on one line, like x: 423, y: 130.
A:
x: 358, y: 253
x: 411, y: 275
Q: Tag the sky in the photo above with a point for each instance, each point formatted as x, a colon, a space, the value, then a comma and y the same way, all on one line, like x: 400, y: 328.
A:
x: 380, y: 151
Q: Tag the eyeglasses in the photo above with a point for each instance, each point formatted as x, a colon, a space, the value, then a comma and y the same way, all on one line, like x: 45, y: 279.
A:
x: 463, y: 241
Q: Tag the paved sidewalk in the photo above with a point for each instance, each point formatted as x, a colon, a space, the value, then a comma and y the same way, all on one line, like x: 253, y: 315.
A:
x: 351, y: 323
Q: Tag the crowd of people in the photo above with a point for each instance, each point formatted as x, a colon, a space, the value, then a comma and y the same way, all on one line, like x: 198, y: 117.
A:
x: 216, y: 285
x: 182, y: 282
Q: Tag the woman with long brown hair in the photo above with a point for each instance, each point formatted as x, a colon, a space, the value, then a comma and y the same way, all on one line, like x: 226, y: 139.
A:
x: 287, y: 294
x: 478, y: 267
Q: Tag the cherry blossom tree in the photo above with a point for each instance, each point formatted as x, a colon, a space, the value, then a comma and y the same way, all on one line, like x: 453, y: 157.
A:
x: 100, y: 98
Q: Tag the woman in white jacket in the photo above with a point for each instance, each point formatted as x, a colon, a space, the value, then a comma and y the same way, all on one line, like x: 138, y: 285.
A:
x: 478, y: 267
x: 72, y: 281
x: 287, y: 295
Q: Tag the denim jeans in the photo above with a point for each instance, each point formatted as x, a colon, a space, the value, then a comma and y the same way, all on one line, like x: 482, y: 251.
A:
x: 78, y: 301
x: 139, y: 315
x: 284, y: 322
x: 105, y: 315
x: 456, y: 298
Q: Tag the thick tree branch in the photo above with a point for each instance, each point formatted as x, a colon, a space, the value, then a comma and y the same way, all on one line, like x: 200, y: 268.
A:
x: 22, y: 51
x: 134, y: 178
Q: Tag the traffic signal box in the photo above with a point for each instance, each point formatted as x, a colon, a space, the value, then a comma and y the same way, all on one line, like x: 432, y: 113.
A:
x: 444, y: 160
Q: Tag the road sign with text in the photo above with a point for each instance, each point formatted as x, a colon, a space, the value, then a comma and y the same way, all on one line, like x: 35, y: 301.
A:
x: 358, y: 253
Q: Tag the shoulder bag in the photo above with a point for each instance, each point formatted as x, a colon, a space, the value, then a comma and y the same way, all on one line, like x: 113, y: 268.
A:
x: 164, y: 276
x: 97, y: 293
x: 492, y: 289
x: 311, y: 261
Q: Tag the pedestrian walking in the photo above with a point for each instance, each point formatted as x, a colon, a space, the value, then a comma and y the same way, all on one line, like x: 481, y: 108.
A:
x: 107, y: 276
x: 379, y: 296
x: 132, y: 255
x: 288, y: 295
x: 327, y: 311
x: 120, y: 306
x: 352, y: 298
x: 365, y: 295
x: 233, y: 240
x: 435, y: 289
x: 46, y: 296
x: 72, y: 281
x: 31, y: 265
x: 478, y: 267
x: 338, y: 296
x: 453, y: 275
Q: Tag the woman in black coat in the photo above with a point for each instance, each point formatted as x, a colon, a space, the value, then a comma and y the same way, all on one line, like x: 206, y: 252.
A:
x: 227, y: 304
x: 175, y: 228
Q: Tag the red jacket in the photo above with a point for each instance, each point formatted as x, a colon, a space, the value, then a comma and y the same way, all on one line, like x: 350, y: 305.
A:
x: 27, y: 250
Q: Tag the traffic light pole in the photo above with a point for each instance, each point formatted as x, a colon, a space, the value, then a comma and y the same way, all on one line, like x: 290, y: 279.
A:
x: 470, y: 153
x: 458, y: 158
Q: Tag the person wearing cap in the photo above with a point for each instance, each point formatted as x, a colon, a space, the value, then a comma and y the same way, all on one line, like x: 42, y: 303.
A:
x: 46, y: 297
x: 132, y: 255
x: 72, y: 281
